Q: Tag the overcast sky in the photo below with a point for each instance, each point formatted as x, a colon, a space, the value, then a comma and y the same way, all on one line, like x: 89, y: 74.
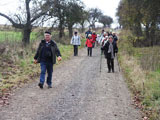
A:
x: 108, y: 7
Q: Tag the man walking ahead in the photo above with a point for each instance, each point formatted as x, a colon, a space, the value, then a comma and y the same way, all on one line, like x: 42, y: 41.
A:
x: 46, y: 56
x: 76, y: 41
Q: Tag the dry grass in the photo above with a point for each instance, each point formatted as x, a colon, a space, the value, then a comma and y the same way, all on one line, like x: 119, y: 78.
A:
x: 134, y: 71
x: 142, y: 71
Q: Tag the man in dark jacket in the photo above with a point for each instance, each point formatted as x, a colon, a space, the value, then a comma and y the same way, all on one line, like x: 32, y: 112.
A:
x: 88, y: 32
x: 46, y: 56
x: 115, y: 38
x: 110, y: 48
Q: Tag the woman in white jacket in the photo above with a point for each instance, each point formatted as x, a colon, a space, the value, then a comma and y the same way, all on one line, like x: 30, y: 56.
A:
x: 76, y: 41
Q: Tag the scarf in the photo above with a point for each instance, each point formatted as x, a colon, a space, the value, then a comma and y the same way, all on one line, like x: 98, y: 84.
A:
x: 110, y: 50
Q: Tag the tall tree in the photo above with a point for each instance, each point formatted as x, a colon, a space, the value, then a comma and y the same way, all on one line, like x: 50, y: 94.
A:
x: 34, y: 10
x: 58, y: 11
x: 133, y: 14
x: 73, y: 14
x: 84, y: 17
x: 94, y: 15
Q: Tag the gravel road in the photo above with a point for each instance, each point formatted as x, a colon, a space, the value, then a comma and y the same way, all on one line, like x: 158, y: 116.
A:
x: 80, y: 92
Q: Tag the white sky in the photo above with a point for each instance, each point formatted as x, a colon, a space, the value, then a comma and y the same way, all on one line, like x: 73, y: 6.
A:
x: 108, y: 7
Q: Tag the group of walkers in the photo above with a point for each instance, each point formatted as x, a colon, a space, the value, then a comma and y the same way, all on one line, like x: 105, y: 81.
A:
x: 48, y: 51
x: 108, y: 43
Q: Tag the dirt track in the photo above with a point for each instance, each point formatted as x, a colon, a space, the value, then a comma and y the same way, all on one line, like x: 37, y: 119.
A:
x: 80, y: 92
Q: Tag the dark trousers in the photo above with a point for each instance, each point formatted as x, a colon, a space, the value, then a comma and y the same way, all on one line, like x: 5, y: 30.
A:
x: 75, y: 50
x: 46, y: 66
x: 110, y: 63
x: 89, y: 51
x: 93, y: 45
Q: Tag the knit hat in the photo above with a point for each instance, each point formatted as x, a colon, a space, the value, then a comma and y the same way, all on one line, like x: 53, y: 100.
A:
x: 89, y: 35
x: 75, y: 32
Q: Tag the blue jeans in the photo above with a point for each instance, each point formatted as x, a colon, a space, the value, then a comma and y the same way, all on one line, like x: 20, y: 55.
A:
x: 45, y: 66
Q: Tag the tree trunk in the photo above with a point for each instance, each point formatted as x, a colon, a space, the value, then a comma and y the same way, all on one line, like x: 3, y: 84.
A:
x: 61, y: 31
x: 70, y: 30
x: 26, y: 36
x: 104, y: 26
x: 147, y: 35
x: 93, y: 25
x: 138, y: 29
x: 152, y: 33
x: 82, y: 29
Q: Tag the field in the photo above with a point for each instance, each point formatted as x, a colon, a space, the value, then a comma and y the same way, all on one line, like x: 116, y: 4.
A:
x: 12, y: 36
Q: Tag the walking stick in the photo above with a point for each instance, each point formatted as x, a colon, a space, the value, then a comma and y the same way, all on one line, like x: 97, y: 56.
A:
x: 101, y: 60
x: 118, y: 62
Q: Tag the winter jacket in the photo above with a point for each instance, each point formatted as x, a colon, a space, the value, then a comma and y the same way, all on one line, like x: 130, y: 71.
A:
x: 115, y: 38
x: 54, y: 51
x: 94, y: 36
x: 76, y: 40
x: 102, y: 41
x: 87, y: 33
x: 106, y: 48
x: 89, y: 42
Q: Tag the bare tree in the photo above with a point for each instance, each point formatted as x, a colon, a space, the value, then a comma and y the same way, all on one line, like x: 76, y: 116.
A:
x: 29, y: 18
x: 94, y: 15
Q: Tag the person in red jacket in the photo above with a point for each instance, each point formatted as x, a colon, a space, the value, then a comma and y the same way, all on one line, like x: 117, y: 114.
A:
x: 94, y: 37
x: 89, y: 44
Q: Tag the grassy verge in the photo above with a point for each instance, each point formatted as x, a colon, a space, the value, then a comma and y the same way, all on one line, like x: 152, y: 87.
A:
x: 142, y: 72
x: 16, y: 72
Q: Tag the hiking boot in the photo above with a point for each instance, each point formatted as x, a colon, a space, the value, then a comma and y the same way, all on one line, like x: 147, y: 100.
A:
x: 40, y: 85
x: 49, y: 86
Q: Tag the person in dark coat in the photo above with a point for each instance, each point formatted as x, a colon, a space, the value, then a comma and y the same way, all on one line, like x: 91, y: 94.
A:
x: 88, y: 32
x: 115, y: 38
x: 46, y: 56
x: 110, y: 49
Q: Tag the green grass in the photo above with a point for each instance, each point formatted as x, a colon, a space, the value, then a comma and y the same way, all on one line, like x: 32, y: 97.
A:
x: 66, y: 51
x: 83, y: 40
x: 12, y: 36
